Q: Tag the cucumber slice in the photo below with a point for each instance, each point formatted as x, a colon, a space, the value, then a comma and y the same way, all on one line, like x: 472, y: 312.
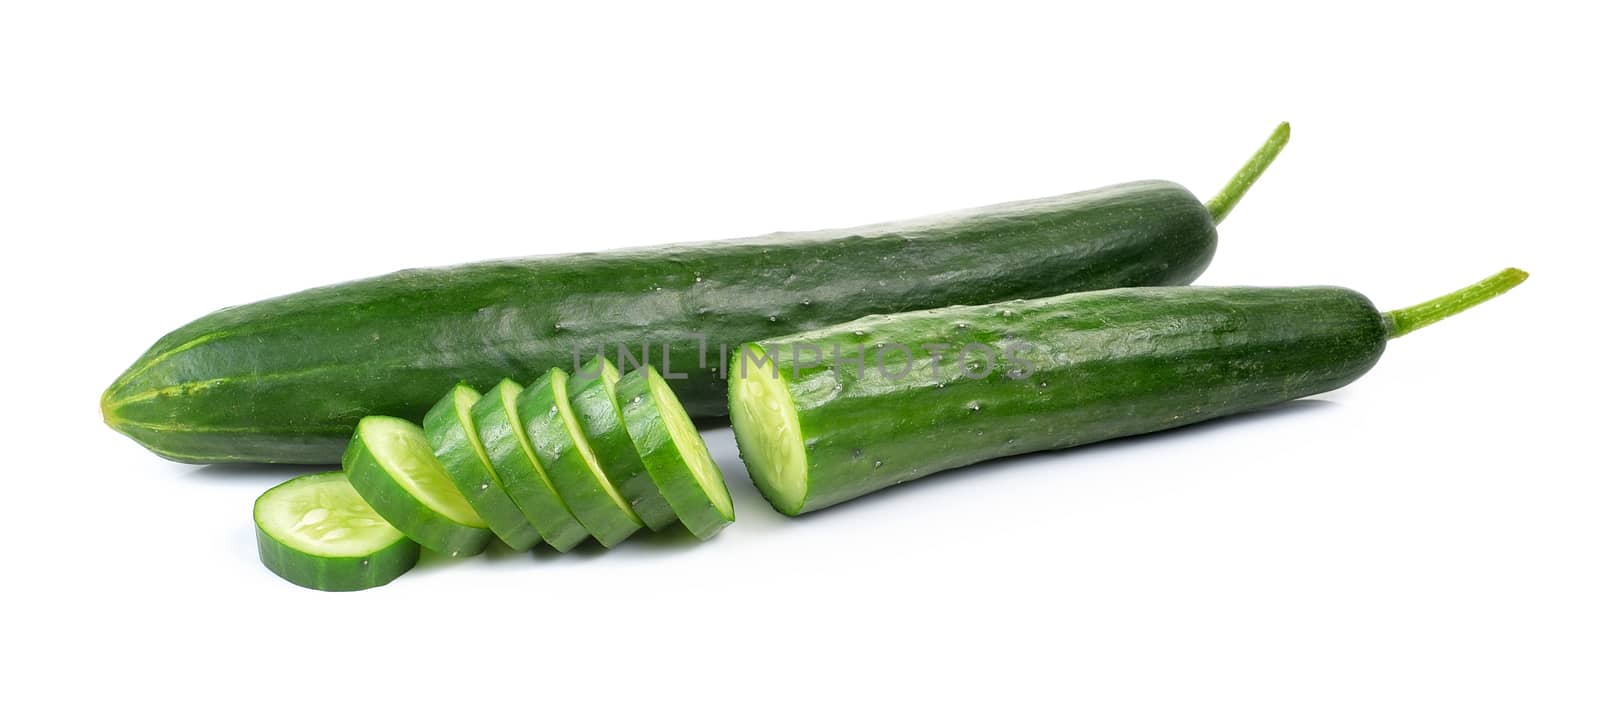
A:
x: 317, y: 532
x: 391, y: 464
x: 454, y: 438
x: 767, y: 429
x: 506, y: 443
x: 562, y: 449
x: 593, y: 391
x: 673, y: 453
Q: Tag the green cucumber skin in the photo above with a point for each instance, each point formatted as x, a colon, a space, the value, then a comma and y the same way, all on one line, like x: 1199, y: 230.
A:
x: 1107, y: 364
x: 601, y: 420
x: 662, y: 459
x: 474, y: 477
x: 337, y: 574
x: 285, y: 380
x: 557, y: 451
x: 404, y: 511
x: 498, y: 425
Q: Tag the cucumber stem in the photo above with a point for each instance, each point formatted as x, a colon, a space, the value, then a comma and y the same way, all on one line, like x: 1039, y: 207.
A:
x: 1410, y: 319
x: 1229, y: 196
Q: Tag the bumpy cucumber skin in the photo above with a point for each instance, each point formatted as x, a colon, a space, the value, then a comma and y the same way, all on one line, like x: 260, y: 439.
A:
x: 334, y: 574
x: 498, y: 429
x: 1105, y: 365
x: 601, y: 420
x: 394, y: 503
x: 557, y: 450
x: 662, y: 459
x: 284, y: 380
x: 473, y: 475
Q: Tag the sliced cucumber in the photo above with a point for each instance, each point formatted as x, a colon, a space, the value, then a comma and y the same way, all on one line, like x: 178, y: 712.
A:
x: 673, y: 453
x: 317, y: 532
x: 564, y: 452
x: 506, y: 443
x: 593, y: 391
x: 454, y: 438
x: 391, y: 464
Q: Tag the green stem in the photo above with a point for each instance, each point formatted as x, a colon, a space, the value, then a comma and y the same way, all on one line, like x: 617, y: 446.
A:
x: 1408, y: 320
x: 1229, y: 196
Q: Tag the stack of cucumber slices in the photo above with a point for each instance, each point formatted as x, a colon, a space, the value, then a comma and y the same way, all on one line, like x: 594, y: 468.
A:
x: 597, y: 454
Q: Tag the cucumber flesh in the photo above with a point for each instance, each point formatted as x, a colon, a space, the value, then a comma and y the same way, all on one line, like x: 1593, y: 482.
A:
x: 393, y: 468
x: 564, y: 452
x: 454, y: 438
x: 767, y: 430
x: 593, y: 392
x: 317, y: 532
x: 506, y: 442
x: 673, y: 453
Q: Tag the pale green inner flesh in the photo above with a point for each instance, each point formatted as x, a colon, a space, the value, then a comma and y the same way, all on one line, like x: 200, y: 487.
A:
x: 767, y: 428
x: 323, y: 515
x: 569, y: 419
x: 691, y: 447
x: 403, y: 451
x: 465, y: 398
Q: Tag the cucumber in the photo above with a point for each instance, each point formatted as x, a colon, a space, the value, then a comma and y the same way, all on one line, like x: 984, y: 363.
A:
x: 561, y: 448
x: 392, y: 466
x: 454, y: 437
x: 317, y: 532
x: 815, y: 430
x: 673, y: 453
x: 593, y: 392
x: 506, y: 443
x: 285, y: 379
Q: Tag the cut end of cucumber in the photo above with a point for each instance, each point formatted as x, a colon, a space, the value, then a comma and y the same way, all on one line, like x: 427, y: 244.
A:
x: 323, y: 515
x: 402, y: 449
x: 767, y: 429
x: 558, y: 379
x: 690, y: 446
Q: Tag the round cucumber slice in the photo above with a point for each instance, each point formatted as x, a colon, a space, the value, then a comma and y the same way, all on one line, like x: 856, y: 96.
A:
x: 673, y: 453
x: 506, y: 443
x: 767, y: 429
x: 454, y: 438
x: 391, y: 464
x: 593, y: 391
x: 316, y: 531
x: 559, y: 444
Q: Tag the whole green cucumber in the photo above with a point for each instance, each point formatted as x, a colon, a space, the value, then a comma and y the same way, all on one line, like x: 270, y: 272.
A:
x: 832, y: 414
x: 286, y: 379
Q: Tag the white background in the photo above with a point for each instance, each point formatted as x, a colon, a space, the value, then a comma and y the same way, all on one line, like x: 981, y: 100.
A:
x: 1423, y: 540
